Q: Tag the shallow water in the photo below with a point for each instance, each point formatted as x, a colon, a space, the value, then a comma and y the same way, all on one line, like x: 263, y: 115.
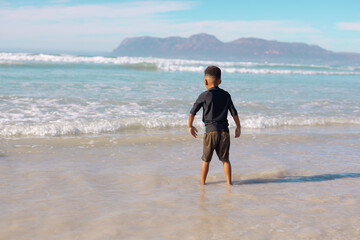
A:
x: 98, y: 148
x: 303, y: 186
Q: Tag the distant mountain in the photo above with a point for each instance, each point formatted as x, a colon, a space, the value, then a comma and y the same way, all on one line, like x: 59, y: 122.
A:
x: 208, y: 47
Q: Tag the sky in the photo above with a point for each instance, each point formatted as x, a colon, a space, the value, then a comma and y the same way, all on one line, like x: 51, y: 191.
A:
x: 101, y: 25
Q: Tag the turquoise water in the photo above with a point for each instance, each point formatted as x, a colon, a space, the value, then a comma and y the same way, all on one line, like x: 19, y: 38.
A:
x: 57, y: 95
x: 98, y: 148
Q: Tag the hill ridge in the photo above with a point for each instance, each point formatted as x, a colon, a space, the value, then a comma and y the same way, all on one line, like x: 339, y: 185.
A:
x: 204, y: 46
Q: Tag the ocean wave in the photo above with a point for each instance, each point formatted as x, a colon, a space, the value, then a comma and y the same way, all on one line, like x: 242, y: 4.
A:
x: 258, y: 71
x: 177, y: 65
x: 102, y: 126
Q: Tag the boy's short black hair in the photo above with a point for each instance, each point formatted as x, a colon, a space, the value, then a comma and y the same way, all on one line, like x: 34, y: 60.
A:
x: 213, y: 71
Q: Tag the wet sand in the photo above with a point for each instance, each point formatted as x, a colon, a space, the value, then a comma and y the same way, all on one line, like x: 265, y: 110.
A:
x: 302, y: 185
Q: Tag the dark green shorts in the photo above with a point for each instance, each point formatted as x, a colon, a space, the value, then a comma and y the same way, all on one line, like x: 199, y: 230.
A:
x: 218, y: 141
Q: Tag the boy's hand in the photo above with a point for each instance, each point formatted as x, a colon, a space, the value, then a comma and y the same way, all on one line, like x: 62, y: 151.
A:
x: 193, y: 131
x: 237, y: 132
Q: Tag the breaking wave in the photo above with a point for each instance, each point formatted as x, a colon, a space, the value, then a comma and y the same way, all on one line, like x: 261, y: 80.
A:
x: 90, y: 127
x: 176, y: 65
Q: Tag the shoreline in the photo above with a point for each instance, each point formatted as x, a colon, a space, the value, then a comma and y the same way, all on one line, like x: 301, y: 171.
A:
x: 303, y: 186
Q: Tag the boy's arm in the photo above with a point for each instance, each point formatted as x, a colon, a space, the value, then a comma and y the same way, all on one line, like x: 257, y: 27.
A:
x: 192, y: 130
x: 235, y: 115
x: 238, y: 126
x: 196, y: 107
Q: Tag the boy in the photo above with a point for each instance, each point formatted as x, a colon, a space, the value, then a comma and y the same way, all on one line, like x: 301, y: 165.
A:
x: 215, y: 103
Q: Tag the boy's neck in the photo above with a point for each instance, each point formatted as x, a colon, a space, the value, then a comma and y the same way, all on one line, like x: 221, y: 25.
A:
x: 210, y: 86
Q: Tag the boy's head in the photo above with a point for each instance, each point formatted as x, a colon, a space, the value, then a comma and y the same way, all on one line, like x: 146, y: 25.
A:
x: 212, y: 77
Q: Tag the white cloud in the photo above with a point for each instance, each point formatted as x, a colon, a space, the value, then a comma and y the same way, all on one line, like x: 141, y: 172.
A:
x: 229, y: 30
x: 102, y: 27
x: 121, y: 10
x: 350, y: 26
x: 57, y: 25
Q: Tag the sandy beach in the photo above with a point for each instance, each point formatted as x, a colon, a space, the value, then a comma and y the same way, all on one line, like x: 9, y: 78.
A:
x: 99, y: 101
x: 285, y: 187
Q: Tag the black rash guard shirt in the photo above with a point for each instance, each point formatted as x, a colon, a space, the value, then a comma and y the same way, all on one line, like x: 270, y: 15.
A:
x: 216, y: 103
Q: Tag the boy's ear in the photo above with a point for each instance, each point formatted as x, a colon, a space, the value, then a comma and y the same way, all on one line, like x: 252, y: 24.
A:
x: 206, y: 82
x: 219, y: 81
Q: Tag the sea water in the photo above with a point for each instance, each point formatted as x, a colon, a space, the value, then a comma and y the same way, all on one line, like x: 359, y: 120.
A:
x: 95, y: 147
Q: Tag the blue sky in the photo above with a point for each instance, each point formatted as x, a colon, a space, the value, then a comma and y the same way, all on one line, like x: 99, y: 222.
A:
x: 100, y: 26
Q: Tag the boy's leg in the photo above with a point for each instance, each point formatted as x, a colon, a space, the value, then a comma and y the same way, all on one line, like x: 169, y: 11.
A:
x: 227, y: 170
x: 204, y: 171
x: 222, y: 150
x: 208, y: 149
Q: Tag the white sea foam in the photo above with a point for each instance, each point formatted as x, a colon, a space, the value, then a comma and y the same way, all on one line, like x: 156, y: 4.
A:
x: 31, y: 116
x: 256, y: 71
x: 81, y: 126
x: 270, y: 122
x: 179, y: 65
